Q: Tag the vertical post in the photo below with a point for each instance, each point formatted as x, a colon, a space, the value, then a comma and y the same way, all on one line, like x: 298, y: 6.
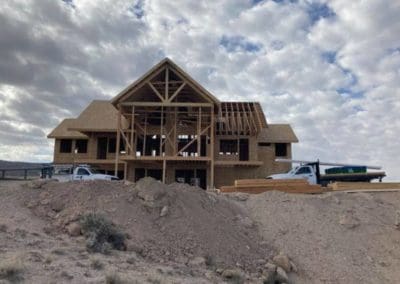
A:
x: 145, y: 133
x: 212, y: 148
x: 164, y: 169
x: 161, y: 129
x: 118, y: 142
x: 166, y: 83
x: 25, y: 174
x: 3, y: 174
x: 198, y: 132
x: 175, y: 141
x: 133, y: 149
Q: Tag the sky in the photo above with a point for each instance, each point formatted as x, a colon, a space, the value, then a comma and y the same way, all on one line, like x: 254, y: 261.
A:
x: 329, y: 68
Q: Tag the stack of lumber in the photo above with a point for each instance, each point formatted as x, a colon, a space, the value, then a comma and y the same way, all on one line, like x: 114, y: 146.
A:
x: 365, y: 186
x: 255, y: 186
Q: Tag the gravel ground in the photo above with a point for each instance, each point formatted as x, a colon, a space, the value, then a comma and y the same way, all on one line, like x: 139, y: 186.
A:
x: 334, y: 237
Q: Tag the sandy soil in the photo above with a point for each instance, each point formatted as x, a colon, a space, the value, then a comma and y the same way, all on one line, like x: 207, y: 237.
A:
x: 334, y: 237
x: 181, y: 234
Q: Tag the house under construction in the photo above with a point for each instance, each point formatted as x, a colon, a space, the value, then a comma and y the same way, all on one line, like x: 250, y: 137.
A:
x: 166, y: 125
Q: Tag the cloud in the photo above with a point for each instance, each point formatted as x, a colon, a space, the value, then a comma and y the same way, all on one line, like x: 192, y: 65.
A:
x: 330, y: 68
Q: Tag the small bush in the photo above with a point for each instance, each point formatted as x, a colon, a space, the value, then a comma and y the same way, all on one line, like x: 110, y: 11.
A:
x: 96, y: 264
x: 114, y: 278
x: 101, y: 234
x: 11, y: 269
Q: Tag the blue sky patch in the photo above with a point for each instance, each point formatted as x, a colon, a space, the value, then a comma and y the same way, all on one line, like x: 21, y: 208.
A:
x: 317, y: 11
x: 137, y: 9
x: 329, y: 56
x: 239, y: 43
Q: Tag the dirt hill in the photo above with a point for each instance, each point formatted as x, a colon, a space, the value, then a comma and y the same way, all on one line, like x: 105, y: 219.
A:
x: 182, y: 234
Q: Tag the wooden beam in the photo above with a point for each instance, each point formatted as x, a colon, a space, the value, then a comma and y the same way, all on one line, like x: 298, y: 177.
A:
x: 177, y: 92
x: 164, y: 170
x: 212, y: 134
x: 246, y: 118
x: 252, y: 118
x: 175, y: 132
x: 234, y: 126
x: 132, y: 129
x: 166, y: 104
x: 156, y: 91
x: 126, y: 141
x: 166, y: 82
x: 118, y: 142
x: 227, y: 121
x: 192, y: 141
x: 198, y: 132
x: 161, y: 129
x: 145, y: 134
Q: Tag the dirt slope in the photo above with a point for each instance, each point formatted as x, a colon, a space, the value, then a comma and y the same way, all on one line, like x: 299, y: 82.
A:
x: 336, y: 237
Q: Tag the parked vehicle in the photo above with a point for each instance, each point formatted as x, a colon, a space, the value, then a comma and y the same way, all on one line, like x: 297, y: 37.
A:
x: 311, y: 171
x: 81, y: 172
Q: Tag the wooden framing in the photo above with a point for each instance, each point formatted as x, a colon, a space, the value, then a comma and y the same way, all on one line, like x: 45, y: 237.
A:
x: 167, y: 121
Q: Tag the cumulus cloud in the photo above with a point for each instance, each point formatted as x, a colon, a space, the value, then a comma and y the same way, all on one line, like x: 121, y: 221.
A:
x: 330, y: 68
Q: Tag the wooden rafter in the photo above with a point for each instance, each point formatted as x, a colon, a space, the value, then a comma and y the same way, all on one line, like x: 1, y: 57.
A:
x: 193, y: 140
x: 177, y: 92
x: 252, y: 118
x: 156, y: 91
x: 166, y: 82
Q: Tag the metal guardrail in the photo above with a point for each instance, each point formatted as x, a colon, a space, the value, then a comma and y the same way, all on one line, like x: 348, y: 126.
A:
x: 44, y: 172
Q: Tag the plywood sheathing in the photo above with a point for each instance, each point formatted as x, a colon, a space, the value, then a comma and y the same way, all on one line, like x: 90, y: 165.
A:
x: 62, y: 131
x: 98, y: 116
x: 277, y: 133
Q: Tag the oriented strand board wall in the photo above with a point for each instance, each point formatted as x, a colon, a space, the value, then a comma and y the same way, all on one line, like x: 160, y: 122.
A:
x: 67, y: 158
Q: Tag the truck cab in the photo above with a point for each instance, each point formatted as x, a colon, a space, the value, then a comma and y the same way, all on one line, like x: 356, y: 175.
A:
x: 87, y: 173
x: 305, y: 172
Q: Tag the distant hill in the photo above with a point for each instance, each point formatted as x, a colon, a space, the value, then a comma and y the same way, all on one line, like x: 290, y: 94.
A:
x: 20, y: 165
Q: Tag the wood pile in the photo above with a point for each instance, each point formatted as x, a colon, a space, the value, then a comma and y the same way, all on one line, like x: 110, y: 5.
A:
x: 255, y: 186
x: 364, y: 186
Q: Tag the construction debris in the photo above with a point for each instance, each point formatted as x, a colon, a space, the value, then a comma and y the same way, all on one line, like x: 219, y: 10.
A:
x: 364, y: 186
x: 255, y: 186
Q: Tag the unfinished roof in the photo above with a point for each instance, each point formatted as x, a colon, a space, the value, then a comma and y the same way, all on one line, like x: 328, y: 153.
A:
x: 277, y: 133
x: 99, y: 116
x: 153, y: 85
x: 62, y: 131
x: 241, y: 118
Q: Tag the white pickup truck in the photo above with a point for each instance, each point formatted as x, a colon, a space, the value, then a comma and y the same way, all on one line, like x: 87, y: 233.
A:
x: 306, y: 172
x: 82, y: 173
x: 311, y: 172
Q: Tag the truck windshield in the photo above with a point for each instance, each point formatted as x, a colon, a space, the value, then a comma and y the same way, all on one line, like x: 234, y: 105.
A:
x: 95, y: 171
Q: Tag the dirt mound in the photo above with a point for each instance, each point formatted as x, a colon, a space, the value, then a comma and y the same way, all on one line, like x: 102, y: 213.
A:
x: 336, y: 237
x: 164, y: 223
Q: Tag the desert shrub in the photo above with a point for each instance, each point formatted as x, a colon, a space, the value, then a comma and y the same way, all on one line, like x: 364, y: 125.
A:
x: 101, y: 234
x: 210, y: 260
x: 11, y: 269
x: 96, y: 264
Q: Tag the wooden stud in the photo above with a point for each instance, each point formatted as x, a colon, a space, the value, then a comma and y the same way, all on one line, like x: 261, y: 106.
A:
x: 198, y: 132
x: 212, y: 133
x: 164, y: 170
x: 118, y: 142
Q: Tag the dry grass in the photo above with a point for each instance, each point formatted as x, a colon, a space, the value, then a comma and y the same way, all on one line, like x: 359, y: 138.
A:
x: 96, y: 263
x: 101, y: 234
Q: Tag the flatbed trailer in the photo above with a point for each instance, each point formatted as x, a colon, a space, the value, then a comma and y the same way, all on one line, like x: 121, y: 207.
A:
x: 310, y: 170
x: 353, y: 177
